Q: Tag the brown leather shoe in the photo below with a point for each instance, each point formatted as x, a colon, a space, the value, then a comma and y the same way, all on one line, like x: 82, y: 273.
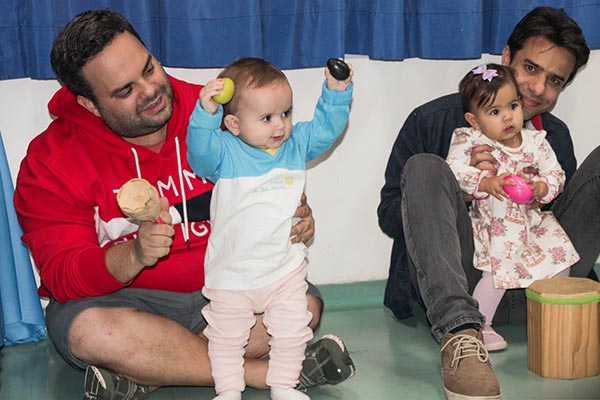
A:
x: 466, y: 369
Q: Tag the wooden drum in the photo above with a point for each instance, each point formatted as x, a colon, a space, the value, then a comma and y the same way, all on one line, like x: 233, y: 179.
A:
x: 563, y: 339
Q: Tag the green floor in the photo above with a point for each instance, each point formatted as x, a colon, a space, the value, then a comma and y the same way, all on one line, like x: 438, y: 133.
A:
x: 394, y: 360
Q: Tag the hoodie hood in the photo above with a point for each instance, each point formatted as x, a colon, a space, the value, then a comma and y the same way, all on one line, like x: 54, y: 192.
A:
x: 94, y: 131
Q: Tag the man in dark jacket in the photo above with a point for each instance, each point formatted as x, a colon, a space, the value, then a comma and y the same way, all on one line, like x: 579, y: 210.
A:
x: 423, y: 209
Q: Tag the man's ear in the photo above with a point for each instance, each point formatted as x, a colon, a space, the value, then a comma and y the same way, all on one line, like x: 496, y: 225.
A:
x: 88, y: 105
x: 472, y: 120
x: 232, y: 123
x: 506, y: 56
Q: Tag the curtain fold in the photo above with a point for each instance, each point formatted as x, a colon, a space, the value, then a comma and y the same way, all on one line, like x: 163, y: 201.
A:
x: 399, y: 29
x: 20, y: 309
x: 289, y: 33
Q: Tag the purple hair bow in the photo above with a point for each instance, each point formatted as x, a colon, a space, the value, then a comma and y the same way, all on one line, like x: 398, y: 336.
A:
x: 486, y: 74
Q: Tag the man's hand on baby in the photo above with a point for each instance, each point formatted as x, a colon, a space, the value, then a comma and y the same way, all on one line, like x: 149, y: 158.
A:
x: 304, y: 229
x: 540, y: 189
x: 481, y: 158
x: 529, y: 172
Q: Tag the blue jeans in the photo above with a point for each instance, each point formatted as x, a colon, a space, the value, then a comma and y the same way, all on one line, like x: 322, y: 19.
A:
x: 439, y: 240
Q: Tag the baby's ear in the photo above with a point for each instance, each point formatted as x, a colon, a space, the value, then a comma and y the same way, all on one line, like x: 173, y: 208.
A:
x: 232, y: 123
x: 472, y: 120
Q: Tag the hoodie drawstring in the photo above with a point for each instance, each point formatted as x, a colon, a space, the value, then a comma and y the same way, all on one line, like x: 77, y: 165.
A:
x: 137, y: 163
x: 184, y: 223
x: 184, y: 226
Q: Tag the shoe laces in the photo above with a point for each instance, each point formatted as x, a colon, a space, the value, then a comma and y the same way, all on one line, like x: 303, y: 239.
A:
x: 466, y: 346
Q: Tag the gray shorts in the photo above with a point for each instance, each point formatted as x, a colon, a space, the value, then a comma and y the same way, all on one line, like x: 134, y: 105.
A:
x: 181, y: 307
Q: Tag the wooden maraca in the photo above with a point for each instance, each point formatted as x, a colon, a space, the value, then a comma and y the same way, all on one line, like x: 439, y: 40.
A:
x: 139, y: 200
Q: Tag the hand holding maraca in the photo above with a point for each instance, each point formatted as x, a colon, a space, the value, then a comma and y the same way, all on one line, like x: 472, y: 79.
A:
x: 338, y: 74
x: 139, y: 200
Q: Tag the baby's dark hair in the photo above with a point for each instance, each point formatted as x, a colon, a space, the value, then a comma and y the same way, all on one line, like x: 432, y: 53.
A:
x: 249, y: 72
x: 475, y: 91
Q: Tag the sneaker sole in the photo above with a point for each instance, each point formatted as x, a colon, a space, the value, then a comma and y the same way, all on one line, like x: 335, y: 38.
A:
x: 340, y: 343
x: 92, y: 382
x: 97, y: 386
x: 455, y: 396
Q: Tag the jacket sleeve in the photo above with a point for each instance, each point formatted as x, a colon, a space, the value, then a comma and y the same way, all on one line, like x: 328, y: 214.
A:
x: 559, y: 137
x: 59, y: 228
x: 205, y: 142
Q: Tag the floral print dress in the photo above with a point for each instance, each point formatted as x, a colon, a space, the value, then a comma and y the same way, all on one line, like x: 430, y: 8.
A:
x: 517, y: 245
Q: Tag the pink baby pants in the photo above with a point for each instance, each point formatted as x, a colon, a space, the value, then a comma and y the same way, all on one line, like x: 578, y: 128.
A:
x: 230, y: 316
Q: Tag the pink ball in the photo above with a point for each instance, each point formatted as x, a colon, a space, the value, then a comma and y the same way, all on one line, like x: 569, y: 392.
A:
x: 521, y: 191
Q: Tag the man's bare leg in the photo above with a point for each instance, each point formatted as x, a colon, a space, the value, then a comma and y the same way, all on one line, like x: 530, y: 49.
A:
x: 155, y: 351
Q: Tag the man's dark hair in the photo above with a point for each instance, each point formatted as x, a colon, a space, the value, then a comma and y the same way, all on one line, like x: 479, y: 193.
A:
x: 557, y: 27
x: 81, y: 40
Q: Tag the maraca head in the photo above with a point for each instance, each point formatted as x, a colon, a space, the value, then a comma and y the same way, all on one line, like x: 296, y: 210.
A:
x: 521, y: 192
x: 338, y: 68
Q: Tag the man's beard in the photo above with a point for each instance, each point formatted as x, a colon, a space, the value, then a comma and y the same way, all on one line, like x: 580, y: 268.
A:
x: 137, y: 125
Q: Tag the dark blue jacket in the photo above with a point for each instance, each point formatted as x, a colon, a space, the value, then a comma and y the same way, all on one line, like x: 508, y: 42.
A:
x: 428, y: 129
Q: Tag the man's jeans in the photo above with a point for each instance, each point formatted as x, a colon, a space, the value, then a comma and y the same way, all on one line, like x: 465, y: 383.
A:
x: 439, y: 239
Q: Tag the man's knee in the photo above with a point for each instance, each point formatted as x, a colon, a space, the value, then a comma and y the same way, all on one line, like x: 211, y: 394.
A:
x: 94, y: 329
x: 85, y: 329
x: 424, y: 164
x: 427, y: 177
x: 423, y: 170
x: 591, y: 164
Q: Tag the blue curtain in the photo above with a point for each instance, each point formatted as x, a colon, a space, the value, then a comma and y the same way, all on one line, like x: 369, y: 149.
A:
x: 457, y: 29
x: 21, y: 315
x: 290, y: 33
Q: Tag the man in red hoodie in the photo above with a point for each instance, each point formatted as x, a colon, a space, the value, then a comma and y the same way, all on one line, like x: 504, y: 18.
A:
x: 125, y: 297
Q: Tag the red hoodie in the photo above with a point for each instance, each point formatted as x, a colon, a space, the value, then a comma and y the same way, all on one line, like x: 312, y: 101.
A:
x: 65, y: 199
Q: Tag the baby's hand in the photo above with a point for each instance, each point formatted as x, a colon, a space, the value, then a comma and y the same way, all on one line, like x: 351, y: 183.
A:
x: 540, y: 189
x: 494, y: 186
x: 334, y: 84
x: 212, y: 88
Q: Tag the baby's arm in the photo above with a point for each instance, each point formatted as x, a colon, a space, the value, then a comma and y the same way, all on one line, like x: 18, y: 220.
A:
x: 205, y: 140
x: 330, y: 117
